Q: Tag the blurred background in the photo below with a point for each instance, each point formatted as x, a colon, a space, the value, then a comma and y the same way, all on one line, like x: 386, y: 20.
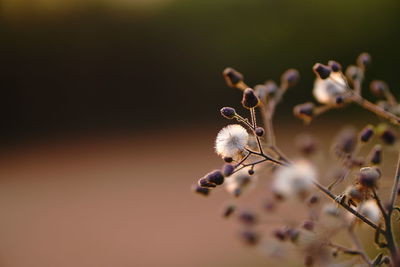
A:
x: 109, y: 109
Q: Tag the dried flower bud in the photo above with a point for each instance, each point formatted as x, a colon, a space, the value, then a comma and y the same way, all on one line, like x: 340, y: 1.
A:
x: 232, y: 77
x: 375, y: 156
x: 279, y: 234
x: 229, y: 210
x: 306, y: 144
x: 335, y: 66
x: 292, y: 234
x: 250, y: 237
x: 259, y: 131
x: 271, y: 87
x: 313, y: 200
x: 290, y: 77
x: 203, y: 182
x: 304, y: 111
x: 364, y: 60
x: 371, y: 210
x: 369, y: 176
x: 228, y: 159
x: 354, y: 194
x: 251, y: 172
x: 247, y: 218
x: 366, y: 133
x: 215, y: 177
x: 388, y: 137
x: 354, y: 73
x: 378, y: 87
x: 308, y: 225
x: 201, y: 190
x: 322, y: 71
x: 269, y: 206
x: 227, y: 170
x: 250, y: 100
x: 346, y: 141
x: 228, y: 112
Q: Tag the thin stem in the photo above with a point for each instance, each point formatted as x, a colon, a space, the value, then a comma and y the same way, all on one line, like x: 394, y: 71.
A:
x: 379, y: 203
x: 347, y: 207
x: 375, y: 109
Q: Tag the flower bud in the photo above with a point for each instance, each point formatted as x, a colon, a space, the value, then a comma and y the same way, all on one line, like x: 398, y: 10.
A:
x: 247, y: 218
x: 369, y: 176
x: 388, y: 137
x: 308, y: 225
x: 228, y: 112
x: 304, y: 111
x: 232, y: 77
x: 228, y: 159
x: 203, y: 182
x: 306, y: 144
x: 201, y: 190
x: 335, y: 66
x: 229, y: 210
x: 322, y: 71
x: 215, y: 177
x: 364, y: 60
x: 259, y: 131
x: 290, y: 77
x: 366, y: 133
x: 375, y: 156
x: 271, y: 87
x: 279, y: 234
x: 250, y: 237
x: 227, y: 170
x: 378, y: 87
x: 250, y: 100
x: 251, y: 172
x: 354, y: 73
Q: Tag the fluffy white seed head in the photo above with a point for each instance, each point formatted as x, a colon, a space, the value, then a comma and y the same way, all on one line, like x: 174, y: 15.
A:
x: 371, y: 210
x: 240, y: 181
x: 326, y: 91
x: 295, y: 180
x: 231, y: 141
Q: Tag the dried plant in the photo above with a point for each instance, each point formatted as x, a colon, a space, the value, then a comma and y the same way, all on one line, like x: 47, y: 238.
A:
x: 331, y: 209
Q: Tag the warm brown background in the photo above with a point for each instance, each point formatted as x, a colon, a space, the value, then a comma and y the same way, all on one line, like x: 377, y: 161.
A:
x: 109, y: 110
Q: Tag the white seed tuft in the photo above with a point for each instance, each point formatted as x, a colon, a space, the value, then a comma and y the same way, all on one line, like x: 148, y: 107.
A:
x: 231, y: 141
x: 326, y: 91
x: 295, y: 180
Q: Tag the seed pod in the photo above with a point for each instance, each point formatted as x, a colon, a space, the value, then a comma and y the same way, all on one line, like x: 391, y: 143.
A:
x: 369, y: 176
x: 250, y: 100
x: 228, y: 112
x: 308, y: 225
x: 364, y: 60
x: 247, y: 218
x: 232, y: 77
x: 388, y: 137
x: 227, y: 170
x: 375, y: 156
x: 259, y: 131
x: 290, y: 77
x: 335, y: 66
x: 304, y: 111
x: 250, y: 237
x: 201, y: 190
x: 229, y: 210
x: 203, y: 182
x: 322, y: 71
x: 313, y: 200
x: 366, y: 133
x: 228, y: 159
x: 378, y: 87
x: 279, y: 234
x: 215, y: 177
x: 354, y: 73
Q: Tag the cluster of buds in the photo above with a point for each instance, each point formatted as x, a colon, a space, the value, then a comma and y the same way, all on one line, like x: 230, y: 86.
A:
x: 246, y: 147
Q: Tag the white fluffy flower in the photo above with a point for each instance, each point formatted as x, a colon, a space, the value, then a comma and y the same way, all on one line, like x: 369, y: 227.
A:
x: 326, y: 91
x: 239, y: 181
x: 231, y: 141
x: 295, y: 180
x: 371, y: 210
